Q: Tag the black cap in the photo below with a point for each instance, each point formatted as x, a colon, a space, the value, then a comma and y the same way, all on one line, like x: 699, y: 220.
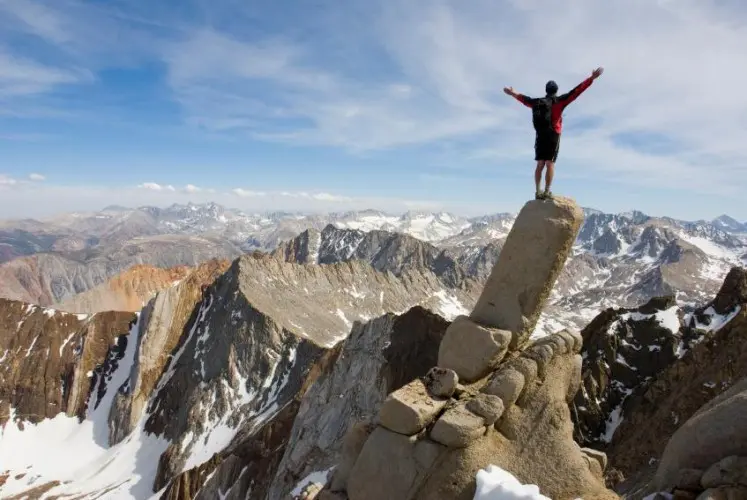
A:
x: 551, y: 88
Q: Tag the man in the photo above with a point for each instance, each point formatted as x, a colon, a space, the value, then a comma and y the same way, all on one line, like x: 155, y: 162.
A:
x: 547, y: 118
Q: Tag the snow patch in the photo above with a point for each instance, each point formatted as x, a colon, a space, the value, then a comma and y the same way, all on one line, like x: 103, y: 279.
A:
x: 31, y: 347
x: 355, y: 293
x: 204, y: 308
x: 613, y: 422
x: 494, y: 483
x: 449, y: 306
x: 667, y: 318
x: 314, y: 477
x: 717, y: 321
x: 341, y: 314
x: 65, y: 342
x: 708, y: 247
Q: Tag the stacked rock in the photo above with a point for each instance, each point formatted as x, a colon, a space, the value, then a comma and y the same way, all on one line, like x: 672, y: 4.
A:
x: 494, y: 397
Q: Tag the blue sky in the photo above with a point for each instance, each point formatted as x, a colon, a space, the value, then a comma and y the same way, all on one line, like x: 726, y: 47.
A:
x: 394, y: 104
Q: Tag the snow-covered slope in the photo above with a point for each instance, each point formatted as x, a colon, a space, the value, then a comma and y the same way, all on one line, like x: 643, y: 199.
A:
x: 62, y: 456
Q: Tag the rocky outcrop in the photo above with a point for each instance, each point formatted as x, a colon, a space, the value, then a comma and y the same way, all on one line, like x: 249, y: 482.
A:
x: 511, y: 408
x: 377, y: 358
x: 643, y: 379
x: 50, y: 361
x: 707, y: 456
x: 133, y: 289
x: 532, y: 439
x: 624, y: 349
x: 709, y: 369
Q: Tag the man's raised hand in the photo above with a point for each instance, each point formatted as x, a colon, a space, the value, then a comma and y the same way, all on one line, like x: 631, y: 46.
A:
x: 597, y: 72
x: 509, y: 91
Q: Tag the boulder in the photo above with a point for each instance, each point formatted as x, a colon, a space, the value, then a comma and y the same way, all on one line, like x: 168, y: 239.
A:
x: 531, y: 260
x: 506, y: 384
x: 391, y: 466
x: 679, y: 494
x: 487, y: 406
x: 717, y: 430
x: 458, y: 427
x: 409, y: 409
x: 541, y: 354
x: 472, y: 350
x: 533, y: 442
x: 355, y: 438
x: 525, y: 366
x: 597, y: 455
x: 441, y: 382
x: 730, y: 471
x: 689, y: 479
x: 724, y: 493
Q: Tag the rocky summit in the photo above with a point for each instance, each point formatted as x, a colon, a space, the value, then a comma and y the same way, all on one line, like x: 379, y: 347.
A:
x: 353, y: 365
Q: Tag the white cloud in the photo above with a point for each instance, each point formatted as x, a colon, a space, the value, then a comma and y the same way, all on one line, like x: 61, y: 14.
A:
x: 322, y: 196
x: 152, y: 186
x: 329, y: 197
x: 247, y: 193
x: 191, y: 188
x: 7, y: 181
x: 37, y: 177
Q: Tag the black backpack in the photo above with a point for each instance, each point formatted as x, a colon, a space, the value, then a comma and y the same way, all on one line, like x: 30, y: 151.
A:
x: 542, y: 114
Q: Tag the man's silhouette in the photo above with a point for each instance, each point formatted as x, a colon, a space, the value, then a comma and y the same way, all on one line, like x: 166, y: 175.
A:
x: 547, y: 118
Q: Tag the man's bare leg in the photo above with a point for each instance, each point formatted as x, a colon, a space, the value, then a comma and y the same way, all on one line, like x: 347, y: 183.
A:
x: 549, y: 173
x: 538, y: 175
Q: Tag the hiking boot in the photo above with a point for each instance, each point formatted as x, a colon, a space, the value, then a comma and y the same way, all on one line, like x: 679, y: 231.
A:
x: 538, y: 195
x: 547, y: 195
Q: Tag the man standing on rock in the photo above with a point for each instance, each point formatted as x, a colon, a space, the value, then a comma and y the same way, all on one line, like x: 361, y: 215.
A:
x: 547, y: 118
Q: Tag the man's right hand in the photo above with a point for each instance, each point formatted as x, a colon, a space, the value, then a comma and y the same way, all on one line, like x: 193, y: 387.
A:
x: 597, y: 72
x: 509, y: 91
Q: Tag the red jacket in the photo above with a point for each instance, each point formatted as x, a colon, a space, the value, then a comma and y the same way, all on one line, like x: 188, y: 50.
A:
x: 560, y: 104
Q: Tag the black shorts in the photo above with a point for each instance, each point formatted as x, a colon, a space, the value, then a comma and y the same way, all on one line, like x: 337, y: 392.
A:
x: 546, y: 146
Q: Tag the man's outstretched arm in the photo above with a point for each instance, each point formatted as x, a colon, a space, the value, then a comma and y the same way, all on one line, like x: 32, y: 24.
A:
x: 579, y: 89
x: 525, y: 100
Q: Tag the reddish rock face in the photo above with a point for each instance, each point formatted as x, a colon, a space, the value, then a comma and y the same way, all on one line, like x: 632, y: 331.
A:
x: 49, y: 358
x: 132, y: 289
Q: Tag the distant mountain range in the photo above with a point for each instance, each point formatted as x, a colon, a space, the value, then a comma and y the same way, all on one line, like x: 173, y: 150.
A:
x: 619, y: 260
